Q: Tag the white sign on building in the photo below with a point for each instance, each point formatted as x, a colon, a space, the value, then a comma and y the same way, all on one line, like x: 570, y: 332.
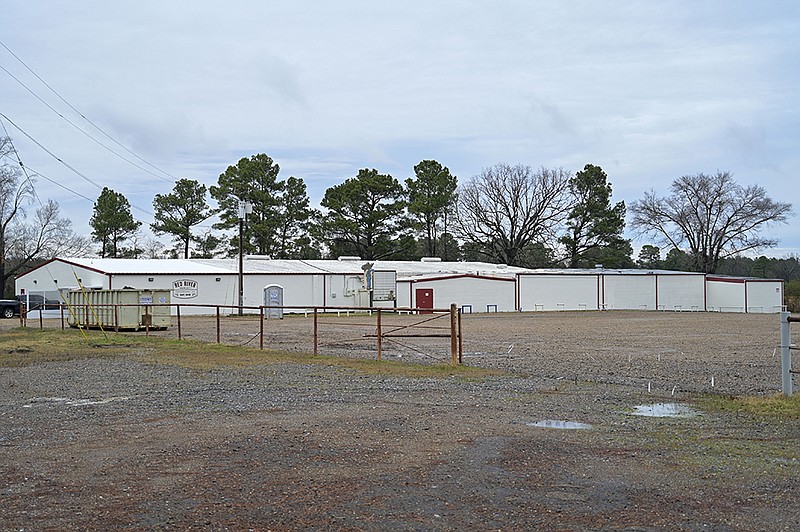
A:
x: 184, y: 289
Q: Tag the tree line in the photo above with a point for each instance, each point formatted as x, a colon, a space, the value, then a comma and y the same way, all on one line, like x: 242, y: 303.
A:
x: 508, y: 214
x: 512, y: 214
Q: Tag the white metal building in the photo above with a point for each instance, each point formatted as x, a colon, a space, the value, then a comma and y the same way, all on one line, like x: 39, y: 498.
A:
x: 601, y: 289
x: 470, y: 292
x: 738, y: 294
x: 305, y: 283
x: 352, y: 282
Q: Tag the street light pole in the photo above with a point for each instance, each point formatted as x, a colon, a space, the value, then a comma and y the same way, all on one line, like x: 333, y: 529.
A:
x: 245, y: 208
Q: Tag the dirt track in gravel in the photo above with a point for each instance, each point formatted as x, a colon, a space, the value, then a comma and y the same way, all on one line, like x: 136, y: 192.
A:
x: 121, y: 442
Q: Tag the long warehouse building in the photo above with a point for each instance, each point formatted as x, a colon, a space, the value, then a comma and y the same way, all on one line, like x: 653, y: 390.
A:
x: 202, y: 284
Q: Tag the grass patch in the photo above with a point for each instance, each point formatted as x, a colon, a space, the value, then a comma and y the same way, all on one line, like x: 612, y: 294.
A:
x: 24, y: 346
x: 775, y: 406
x: 730, y: 454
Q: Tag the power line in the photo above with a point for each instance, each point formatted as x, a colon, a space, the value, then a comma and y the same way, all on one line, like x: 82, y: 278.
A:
x: 19, y: 161
x: 76, y: 126
x: 56, y: 183
x: 98, y: 128
x: 53, y: 155
x: 76, y: 171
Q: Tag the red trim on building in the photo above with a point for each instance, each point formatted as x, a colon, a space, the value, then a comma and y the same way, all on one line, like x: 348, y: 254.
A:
x: 461, y: 276
x: 724, y: 279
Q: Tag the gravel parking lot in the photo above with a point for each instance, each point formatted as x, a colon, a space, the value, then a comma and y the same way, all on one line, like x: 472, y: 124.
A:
x: 126, y: 442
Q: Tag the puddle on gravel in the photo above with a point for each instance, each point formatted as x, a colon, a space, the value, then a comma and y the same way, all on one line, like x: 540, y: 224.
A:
x: 664, y: 410
x: 72, y: 402
x: 559, y: 424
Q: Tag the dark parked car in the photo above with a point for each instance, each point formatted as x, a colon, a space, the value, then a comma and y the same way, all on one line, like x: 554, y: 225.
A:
x: 9, y: 308
x: 38, y: 302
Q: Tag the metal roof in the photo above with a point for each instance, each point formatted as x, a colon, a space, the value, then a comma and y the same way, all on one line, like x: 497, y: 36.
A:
x: 141, y: 266
x: 605, y: 271
x: 257, y: 264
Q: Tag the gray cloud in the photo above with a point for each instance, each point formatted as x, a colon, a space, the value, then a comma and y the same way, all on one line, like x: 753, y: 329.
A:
x: 648, y: 91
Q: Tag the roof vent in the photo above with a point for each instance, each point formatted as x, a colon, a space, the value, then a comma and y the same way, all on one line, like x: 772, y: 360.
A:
x: 257, y: 257
x: 349, y: 258
x: 502, y: 266
x: 430, y: 259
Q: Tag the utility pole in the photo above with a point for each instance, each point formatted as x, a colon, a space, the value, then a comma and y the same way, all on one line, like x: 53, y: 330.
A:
x: 245, y: 208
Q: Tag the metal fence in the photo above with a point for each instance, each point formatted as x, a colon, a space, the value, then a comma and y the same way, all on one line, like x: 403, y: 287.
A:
x: 417, y: 334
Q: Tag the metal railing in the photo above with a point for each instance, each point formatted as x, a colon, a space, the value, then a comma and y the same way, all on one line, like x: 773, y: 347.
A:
x: 409, y: 322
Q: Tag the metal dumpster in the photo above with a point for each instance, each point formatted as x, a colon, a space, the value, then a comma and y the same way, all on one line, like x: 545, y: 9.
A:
x: 128, y: 309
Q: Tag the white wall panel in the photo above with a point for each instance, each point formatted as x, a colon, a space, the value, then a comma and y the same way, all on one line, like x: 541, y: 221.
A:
x: 681, y: 292
x: 725, y: 296
x: 764, y: 296
x: 404, y: 293
x: 628, y: 292
x: 480, y: 293
x: 558, y: 292
x: 202, y: 290
x: 58, y: 275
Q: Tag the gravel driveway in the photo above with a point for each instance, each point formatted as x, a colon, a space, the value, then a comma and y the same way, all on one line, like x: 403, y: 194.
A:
x: 125, y: 442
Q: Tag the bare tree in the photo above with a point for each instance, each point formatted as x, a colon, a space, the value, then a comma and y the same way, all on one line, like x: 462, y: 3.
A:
x: 711, y: 216
x: 14, y: 194
x: 504, y: 208
x: 24, y: 241
x: 152, y: 249
x: 46, y: 236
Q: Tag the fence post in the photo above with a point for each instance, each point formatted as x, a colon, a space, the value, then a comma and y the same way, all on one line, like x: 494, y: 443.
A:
x: 218, y: 339
x: 316, y: 339
x: 379, y: 336
x: 453, y: 335
x: 178, y: 314
x: 786, y: 354
x: 460, y: 346
x: 61, y: 308
x: 261, y: 326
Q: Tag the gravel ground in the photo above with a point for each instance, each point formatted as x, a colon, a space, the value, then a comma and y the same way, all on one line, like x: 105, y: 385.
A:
x: 119, y: 442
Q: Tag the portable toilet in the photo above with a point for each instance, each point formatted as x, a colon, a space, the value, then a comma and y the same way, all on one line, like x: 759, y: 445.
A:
x: 273, y: 300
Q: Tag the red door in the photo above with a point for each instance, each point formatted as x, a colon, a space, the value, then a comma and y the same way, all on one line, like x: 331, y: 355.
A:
x: 425, y: 298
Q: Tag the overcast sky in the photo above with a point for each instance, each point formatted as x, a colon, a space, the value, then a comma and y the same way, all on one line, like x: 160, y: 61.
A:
x: 648, y: 90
